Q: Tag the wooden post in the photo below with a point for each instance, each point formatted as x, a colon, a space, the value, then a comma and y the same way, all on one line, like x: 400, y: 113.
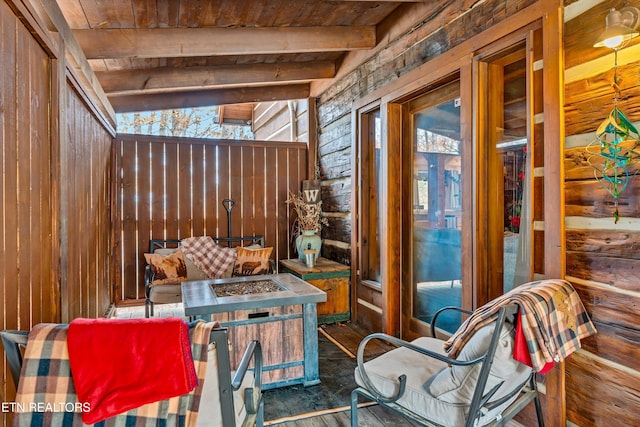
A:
x: 312, y: 144
x: 554, y: 233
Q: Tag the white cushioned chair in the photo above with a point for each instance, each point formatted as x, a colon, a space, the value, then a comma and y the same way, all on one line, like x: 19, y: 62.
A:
x: 483, y: 386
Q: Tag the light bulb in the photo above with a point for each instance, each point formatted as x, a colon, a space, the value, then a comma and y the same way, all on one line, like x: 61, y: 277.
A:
x: 613, y: 42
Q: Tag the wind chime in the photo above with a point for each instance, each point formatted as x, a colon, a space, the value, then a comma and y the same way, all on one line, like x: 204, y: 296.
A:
x: 613, y: 153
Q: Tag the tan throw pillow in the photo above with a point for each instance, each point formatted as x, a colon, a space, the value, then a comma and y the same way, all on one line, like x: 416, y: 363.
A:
x: 252, y: 261
x: 167, y: 270
x: 193, y: 272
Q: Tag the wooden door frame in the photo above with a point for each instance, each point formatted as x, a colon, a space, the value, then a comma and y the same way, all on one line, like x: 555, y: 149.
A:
x: 359, y: 161
x: 411, y: 328
x: 550, y: 12
x: 484, y: 68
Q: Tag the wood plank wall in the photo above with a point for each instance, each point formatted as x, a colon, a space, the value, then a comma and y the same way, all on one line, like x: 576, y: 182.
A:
x: 55, y: 186
x: 272, y: 121
x: 155, y: 174
x: 603, y: 258
x: 86, y: 253
x: 27, y: 273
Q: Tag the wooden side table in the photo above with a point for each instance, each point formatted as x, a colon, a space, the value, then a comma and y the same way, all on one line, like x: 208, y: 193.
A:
x: 329, y: 276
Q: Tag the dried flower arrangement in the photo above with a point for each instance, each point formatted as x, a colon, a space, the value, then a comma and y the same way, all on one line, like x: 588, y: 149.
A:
x: 308, y: 215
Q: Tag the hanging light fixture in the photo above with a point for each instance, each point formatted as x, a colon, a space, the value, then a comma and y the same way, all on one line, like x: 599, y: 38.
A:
x: 615, y: 148
x: 622, y: 26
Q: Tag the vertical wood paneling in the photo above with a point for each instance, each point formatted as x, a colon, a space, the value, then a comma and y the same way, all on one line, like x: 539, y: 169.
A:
x: 273, y: 217
x: 185, y: 187
x: 55, y: 186
x: 248, y: 195
x: 88, y: 255
x: 23, y: 153
x: 129, y: 240
x: 236, y: 183
x: 223, y: 185
x: 259, y: 176
x: 70, y: 292
x: 156, y: 180
x: 197, y: 185
x: 9, y: 166
x: 172, y: 184
x: 211, y: 202
x: 184, y: 183
x: 39, y: 159
x: 8, y: 206
x: 144, y: 197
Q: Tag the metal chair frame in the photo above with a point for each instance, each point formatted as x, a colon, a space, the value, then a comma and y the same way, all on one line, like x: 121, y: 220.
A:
x: 480, y: 399
x: 14, y: 341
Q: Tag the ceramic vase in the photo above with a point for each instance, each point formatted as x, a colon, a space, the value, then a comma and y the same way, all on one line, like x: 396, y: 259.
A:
x: 308, y: 237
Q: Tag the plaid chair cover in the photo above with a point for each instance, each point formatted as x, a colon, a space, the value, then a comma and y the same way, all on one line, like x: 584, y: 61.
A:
x: 46, y: 396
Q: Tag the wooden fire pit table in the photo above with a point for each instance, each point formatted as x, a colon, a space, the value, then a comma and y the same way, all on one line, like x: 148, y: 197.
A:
x: 279, y: 310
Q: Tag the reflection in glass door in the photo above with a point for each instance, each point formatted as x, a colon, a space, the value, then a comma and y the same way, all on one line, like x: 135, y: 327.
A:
x: 508, y: 171
x: 436, y: 210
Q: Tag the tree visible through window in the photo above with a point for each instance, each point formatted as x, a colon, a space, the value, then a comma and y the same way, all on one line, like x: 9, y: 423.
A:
x: 200, y: 122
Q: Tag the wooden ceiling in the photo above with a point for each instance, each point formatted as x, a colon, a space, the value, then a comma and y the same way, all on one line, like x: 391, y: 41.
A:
x: 178, y: 53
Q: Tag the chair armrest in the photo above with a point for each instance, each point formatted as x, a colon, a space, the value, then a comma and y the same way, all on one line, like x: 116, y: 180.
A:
x: 253, y: 351
x: 402, y: 379
x: 12, y: 341
x: 442, y: 310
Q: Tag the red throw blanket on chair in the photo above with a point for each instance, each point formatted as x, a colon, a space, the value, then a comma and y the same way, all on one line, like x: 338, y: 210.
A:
x: 121, y: 364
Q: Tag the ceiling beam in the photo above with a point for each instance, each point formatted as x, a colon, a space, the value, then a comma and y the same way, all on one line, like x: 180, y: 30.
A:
x: 189, y: 78
x: 203, y: 98
x: 50, y: 12
x: 210, y: 41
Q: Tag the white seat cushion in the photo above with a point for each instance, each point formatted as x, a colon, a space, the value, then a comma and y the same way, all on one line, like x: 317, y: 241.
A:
x: 456, y: 384
x: 166, y: 294
x: 383, y: 371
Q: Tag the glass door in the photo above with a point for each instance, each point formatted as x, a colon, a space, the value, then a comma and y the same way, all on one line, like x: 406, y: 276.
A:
x: 508, y: 172
x: 433, y: 229
x: 368, y: 282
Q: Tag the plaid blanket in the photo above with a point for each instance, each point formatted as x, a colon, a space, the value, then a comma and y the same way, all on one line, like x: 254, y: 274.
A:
x: 46, y: 395
x: 553, y: 318
x: 208, y: 256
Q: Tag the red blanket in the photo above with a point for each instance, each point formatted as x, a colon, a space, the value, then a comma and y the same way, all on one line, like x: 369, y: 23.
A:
x: 121, y: 364
x: 521, y: 350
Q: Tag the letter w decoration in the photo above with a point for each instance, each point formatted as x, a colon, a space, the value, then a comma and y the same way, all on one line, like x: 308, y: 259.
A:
x: 311, y: 191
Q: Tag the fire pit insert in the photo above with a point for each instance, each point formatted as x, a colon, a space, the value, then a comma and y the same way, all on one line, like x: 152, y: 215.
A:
x: 246, y: 288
